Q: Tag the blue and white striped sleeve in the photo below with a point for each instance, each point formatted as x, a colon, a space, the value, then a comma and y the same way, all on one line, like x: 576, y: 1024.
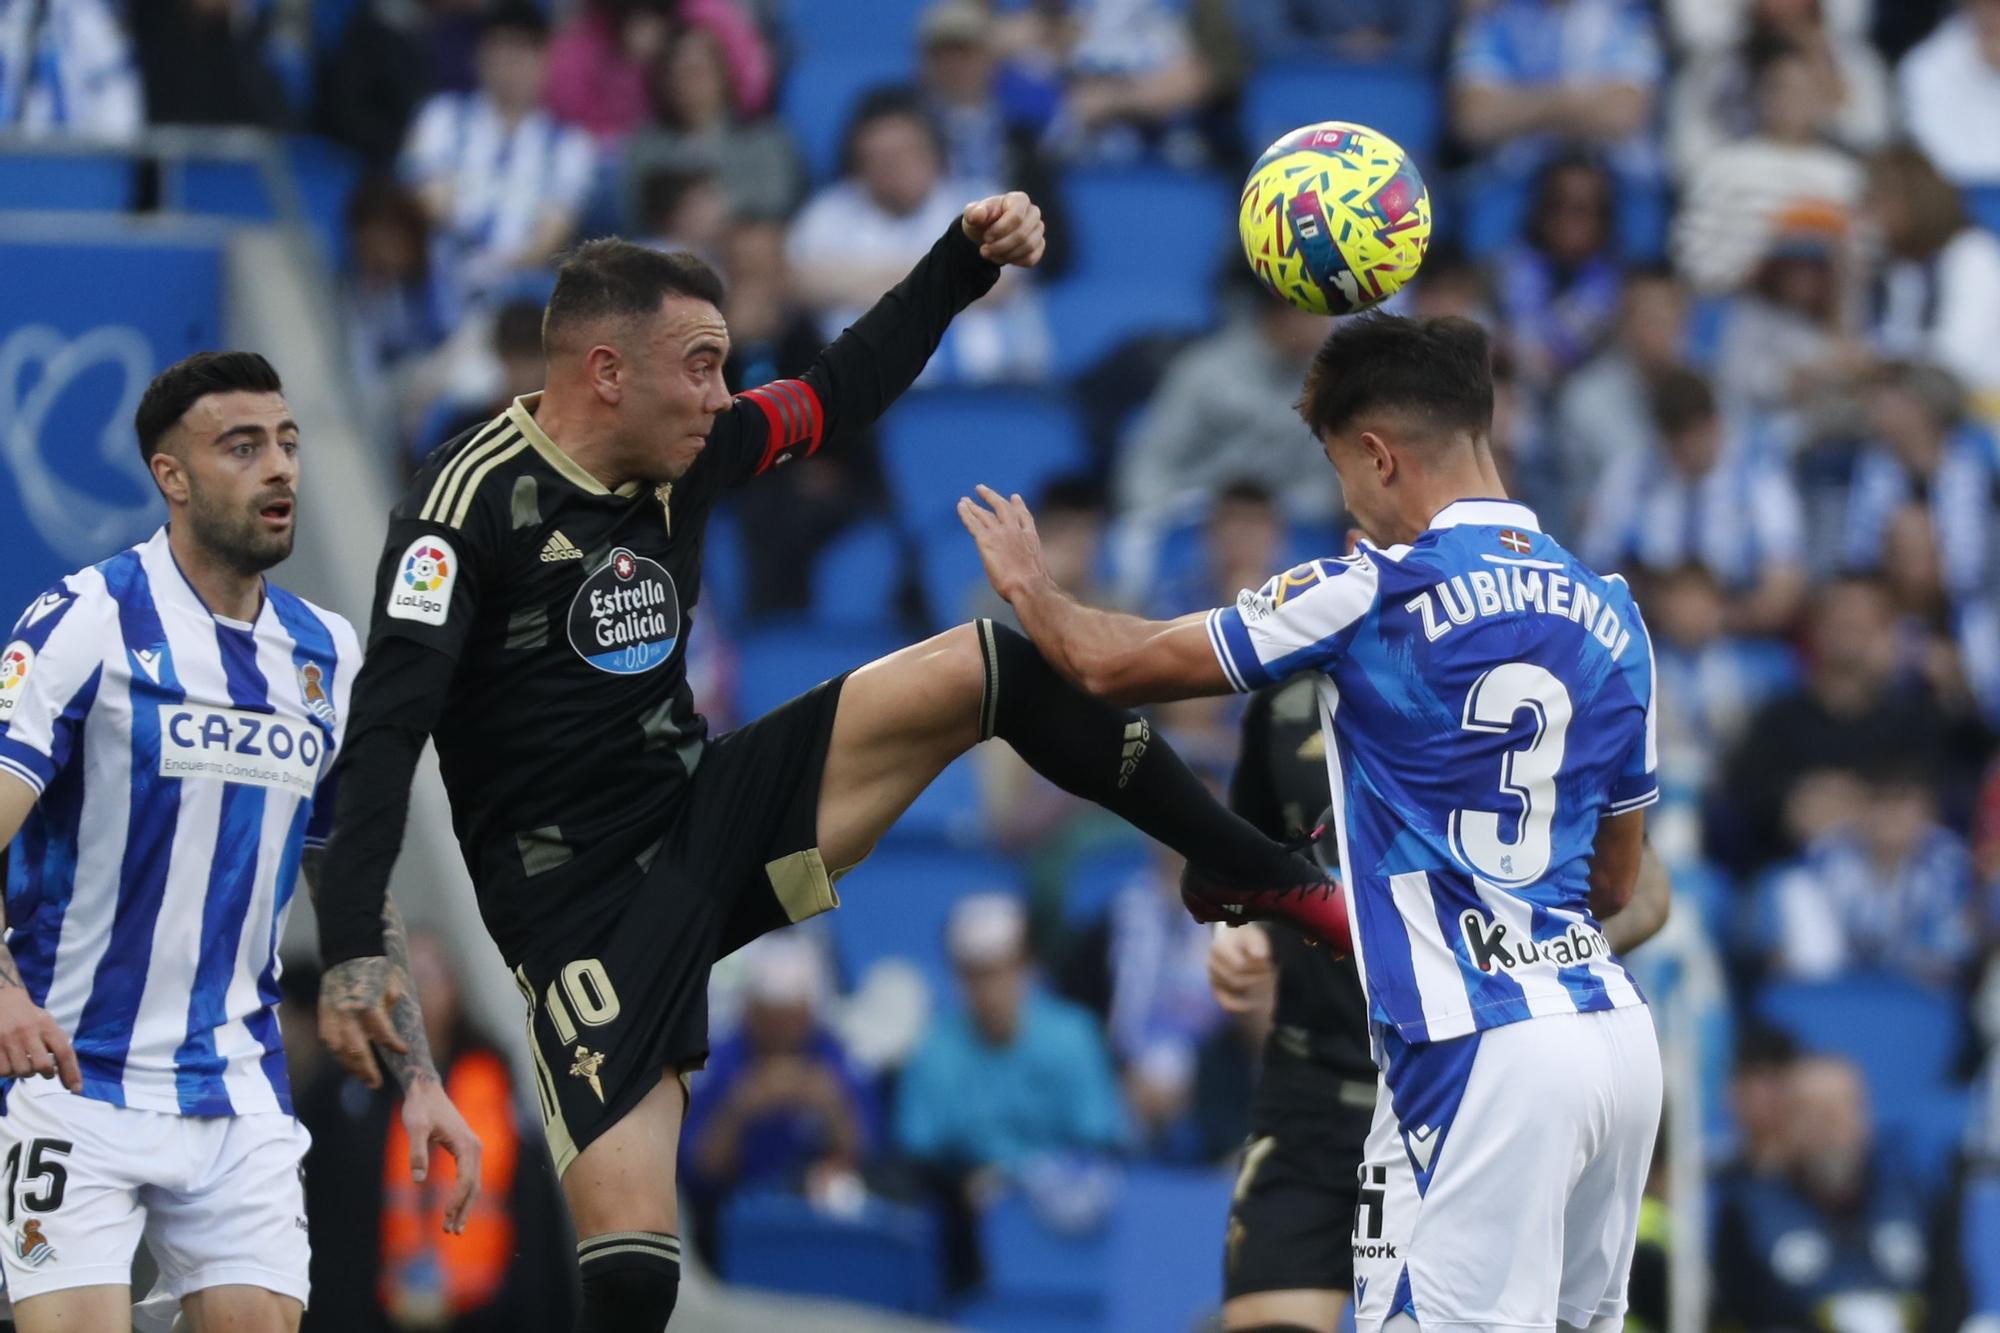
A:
x: 49, y: 670
x: 1301, y: 620
x: 1638, y: 782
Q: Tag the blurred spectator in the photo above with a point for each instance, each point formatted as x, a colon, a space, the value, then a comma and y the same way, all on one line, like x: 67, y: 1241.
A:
x: 1161, y: 1008
x: 381, y: 1260
x: 516, y: 367
x: 1242, y: 545
x: 697, y: 129
x: 1892, y: 892
x: 1527, y: 74
x: 1557, y: 291
x: 1739, y: 190
x: 1837, y: 1240
x: 204, y: 62
x: 601, y: 63
x: 779, y: 1102
x: 1951, y: 82
x: 1134, y: 82
x: 368, y: 85
x: 685, y: 210
x: 1398, y: 32
x: 1603, y: 410
x: 1797, y: 771
x: 1785, y: 345
x: 1710, y: 681
x: 66, y: 71
x: 1715, y: 99
x: 393, y: 308
x: 1703, y: 26
x: 1760, y: 1102
x: 1704, y: 496
x: 958, y: 81
x: 1224, y: 412
x: 859, y: 236
x: 502, y: 182
x: 1016, y: 1073
x: 1937, y: 297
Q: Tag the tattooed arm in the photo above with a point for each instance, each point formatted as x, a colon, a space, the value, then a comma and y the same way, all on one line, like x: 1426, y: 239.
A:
x: 367, y: 1004
x: 31, y: 1042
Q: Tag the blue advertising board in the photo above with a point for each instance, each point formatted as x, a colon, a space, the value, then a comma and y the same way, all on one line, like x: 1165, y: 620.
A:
x: 83, y: 327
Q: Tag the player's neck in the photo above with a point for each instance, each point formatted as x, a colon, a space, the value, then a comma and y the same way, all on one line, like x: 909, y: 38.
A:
x: 224, y: 589
x: 1431, y: 496
x: 591, y: 444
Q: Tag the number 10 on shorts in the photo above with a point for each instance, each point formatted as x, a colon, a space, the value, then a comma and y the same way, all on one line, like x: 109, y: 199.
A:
x: 590, y: 997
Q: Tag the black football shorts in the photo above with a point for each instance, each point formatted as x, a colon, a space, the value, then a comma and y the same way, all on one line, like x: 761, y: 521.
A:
x: 614, y: 1008
x: 1291, y: 1218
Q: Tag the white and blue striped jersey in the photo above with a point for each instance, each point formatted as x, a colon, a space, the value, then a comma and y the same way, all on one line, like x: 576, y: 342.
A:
x: 182, y: 763
x: 1485, y: 699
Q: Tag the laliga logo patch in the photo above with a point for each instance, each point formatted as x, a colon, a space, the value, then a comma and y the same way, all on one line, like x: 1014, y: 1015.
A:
x: 421, y: 590
x: 626, y: 617
x: 16, y: 660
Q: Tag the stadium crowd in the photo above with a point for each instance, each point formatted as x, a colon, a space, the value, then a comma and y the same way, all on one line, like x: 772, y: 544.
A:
x: 1747, y: 323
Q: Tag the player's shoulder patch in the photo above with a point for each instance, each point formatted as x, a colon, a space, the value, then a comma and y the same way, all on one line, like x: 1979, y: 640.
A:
x: 17, y: 659
x: 420, y: 589
x: 1311, y: 574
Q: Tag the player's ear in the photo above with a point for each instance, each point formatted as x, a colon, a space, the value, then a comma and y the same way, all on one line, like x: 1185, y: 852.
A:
x: 1380, y: 456
x: 605, y: 369
x: 169, y: 474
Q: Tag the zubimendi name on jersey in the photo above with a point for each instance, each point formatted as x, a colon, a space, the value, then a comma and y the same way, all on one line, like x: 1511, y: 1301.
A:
x: 1513, y: 589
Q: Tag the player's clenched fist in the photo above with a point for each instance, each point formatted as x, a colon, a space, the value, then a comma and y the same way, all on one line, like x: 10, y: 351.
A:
x: 1007, y: 228
x: 1240, y: 970
x: 31, y: 1044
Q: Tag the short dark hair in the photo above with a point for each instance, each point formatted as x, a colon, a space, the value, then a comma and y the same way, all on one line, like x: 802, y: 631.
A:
x: 1073, y: 493
x: 1246, y: 491
x: 1438, y: 369
x: 517, y: 329
x: 615, y: 279
x: 1680, y: 398
x: 186, y: 382
x: 880, y: 104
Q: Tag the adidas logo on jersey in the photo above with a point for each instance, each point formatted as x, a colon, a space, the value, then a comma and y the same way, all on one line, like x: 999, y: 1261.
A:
x: 1137, y: 734
x: 559, y: 547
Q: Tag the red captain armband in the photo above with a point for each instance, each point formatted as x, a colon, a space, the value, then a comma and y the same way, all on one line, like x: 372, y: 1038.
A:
x: 796, y: 422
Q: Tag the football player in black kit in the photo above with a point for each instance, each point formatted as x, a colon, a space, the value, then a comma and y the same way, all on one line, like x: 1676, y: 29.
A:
x: 534, y: 602
x: 1300, y: 1211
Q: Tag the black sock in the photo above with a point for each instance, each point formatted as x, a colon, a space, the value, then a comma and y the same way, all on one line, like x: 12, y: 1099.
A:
x: 1113, y: 757
x: 631, y: 1280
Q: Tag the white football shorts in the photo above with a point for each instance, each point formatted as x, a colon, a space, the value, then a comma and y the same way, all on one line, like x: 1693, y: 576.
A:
x: 1501, y: 1183
x: 219, y: 1200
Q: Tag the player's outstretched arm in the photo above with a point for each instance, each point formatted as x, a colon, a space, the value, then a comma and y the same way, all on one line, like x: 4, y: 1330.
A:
x: 32, y: 1044
x: 859, y: 374
x: 1122, y: 658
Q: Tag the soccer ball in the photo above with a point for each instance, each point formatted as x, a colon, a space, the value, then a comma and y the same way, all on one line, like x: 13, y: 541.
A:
x: 1335, y: 218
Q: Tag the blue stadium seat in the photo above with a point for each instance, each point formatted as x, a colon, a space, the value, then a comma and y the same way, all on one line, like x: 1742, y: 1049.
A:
x: 856, y: 578
x: 326, y: 173
x: 1402, y: 103
x: 217, y: 187
x: 1028, y: 1260
x: 1979, y: 1241
x: 1015, y: 1312
x: 1927, y: 1133
x: 851, y: 27
x: 887, y: 1257
x: 896, y: 903
x: 1982, y: 203
x: 778, y: 662
x: 1097, y: 876
x: 948, y: 569
x: 1166, y: 1239
x: 93, y: 182
x: 935, y: 445
x: 820, y: 93
x: 1149, y: 224
x: 725, y: 577
x: 1492, y: 207
x: 1904, y: 1037
x: 1091, y: 317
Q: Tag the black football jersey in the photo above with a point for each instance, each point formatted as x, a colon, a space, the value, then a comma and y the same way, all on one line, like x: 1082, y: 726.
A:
x: 567, y: 731
x: 1282, y: 787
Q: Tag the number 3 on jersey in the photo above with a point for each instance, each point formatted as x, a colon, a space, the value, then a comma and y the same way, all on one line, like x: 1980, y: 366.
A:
x: 1527, y: 774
